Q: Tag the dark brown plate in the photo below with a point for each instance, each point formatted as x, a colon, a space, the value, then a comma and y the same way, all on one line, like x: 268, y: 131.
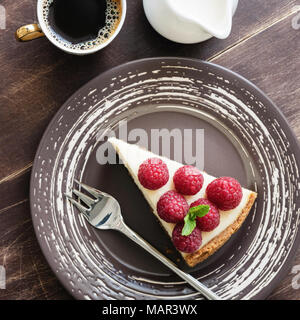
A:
x: 245, y: 136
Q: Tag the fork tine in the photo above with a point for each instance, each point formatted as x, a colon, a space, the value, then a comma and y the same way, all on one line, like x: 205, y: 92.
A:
x: 80, y: 207
x: 86, y: 199
x: 89, y: 189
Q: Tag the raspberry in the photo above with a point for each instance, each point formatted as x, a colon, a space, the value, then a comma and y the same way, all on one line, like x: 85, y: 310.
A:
x: 188, y: 243
x: 188, y: 180
x: 153, y: 174
x: 226, y: 193
x: 172, y: 207
x: 211, y: 220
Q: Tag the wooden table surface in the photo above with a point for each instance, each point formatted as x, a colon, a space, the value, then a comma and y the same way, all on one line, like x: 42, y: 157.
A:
x: 36, y: 78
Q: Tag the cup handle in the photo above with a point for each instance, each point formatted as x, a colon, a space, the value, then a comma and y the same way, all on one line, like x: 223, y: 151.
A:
x: 29, y: 32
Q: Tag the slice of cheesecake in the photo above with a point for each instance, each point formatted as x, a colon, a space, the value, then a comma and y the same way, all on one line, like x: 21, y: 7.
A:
x: 133, y: 156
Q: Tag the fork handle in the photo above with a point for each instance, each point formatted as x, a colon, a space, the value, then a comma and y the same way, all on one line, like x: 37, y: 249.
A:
x: 187, y: 277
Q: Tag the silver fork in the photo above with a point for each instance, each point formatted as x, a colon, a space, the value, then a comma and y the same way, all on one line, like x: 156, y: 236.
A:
x: 103, y: 212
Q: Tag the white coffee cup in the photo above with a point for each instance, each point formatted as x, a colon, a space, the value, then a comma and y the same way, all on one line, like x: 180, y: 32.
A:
x: 41, y: 29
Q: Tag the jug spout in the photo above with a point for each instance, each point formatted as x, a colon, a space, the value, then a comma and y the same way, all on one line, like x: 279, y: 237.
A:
x: 219, y: 21
x: 213, y: 16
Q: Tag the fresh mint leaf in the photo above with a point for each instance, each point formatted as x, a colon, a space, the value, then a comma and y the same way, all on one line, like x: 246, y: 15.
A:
x: 190, y: 219
x: 199, y: 211
x: 189, y: 226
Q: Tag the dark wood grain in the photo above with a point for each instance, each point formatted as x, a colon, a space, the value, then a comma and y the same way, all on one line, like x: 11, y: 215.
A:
x: 273, y: 65
x: 40, y: 77
x: 27, y: 272
x: 36, y: 78
x: 271, y: 60
x: 286, y: 291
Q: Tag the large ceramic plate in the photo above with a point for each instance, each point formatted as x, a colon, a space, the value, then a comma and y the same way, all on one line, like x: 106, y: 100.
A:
x: 245, y: 136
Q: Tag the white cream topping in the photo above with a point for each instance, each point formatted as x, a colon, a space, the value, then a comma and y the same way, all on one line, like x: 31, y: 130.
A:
x: 133, y: 155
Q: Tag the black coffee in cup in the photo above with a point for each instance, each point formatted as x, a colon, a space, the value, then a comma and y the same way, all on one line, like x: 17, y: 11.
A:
x: 83, y: 23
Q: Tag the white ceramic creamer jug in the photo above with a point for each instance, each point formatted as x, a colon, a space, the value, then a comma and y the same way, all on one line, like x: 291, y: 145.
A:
x: 191, y: 21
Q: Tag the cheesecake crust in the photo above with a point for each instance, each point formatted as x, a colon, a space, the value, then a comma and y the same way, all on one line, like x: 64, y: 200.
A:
x: 217, y: 242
